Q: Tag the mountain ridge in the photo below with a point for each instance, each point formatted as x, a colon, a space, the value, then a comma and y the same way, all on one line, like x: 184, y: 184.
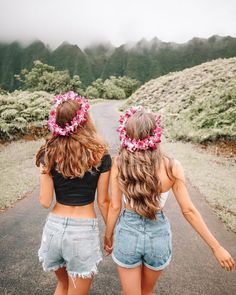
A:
x: 142, y: 60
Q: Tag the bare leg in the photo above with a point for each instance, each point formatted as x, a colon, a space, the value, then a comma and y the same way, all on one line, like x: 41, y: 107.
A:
x: 130, y: 280
x: 62, y: 284
x: 79, y: 286
x: 149, y: 279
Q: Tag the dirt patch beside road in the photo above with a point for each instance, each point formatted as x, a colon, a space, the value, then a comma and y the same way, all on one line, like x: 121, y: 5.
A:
x: 18, y: 172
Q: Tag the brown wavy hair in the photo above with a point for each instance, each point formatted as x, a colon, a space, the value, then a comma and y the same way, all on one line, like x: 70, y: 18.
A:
x: 137, y: 175
x: 75, y: 154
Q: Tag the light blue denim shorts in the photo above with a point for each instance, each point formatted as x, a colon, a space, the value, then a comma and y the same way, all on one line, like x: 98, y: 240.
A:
x: 139, y: 240
x: 72, y: 243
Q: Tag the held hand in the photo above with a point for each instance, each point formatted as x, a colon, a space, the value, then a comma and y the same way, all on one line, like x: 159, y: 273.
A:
x: 108, y: 244
x: 224, y: 258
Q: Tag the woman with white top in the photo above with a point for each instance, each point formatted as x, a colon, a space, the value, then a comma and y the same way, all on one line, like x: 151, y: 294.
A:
x: 142, y: 245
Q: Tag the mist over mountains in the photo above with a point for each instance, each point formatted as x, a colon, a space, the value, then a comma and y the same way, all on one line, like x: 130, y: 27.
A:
x: 143, y: 60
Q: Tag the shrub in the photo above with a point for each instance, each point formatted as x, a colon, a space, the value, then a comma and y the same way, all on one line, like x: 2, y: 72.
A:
x: 196, y: 104
x: 111, y: 91
x: 112, y: 88
x: 23, y: 112
x: 129, y: 85
x: 92, y: 92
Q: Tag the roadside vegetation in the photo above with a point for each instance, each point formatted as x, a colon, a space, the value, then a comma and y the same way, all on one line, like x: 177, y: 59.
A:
x: 196, y: 104
x: 43, y: 77
x: 24, y: 112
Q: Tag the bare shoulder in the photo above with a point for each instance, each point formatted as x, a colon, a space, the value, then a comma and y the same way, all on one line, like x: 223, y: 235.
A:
x: 178, y: 170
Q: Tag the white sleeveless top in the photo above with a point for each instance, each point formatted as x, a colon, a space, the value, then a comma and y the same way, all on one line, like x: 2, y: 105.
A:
x: 163, y: 197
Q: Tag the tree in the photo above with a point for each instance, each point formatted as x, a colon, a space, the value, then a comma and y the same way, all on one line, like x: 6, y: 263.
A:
x: 112, y: 91
x: 92, y: 92
x: 99, y: 85
x: 129, y: 85
x: 112, y: 88
x: 43, y: 77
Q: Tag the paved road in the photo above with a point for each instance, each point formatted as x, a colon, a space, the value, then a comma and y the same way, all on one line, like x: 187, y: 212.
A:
x: 193, y: 270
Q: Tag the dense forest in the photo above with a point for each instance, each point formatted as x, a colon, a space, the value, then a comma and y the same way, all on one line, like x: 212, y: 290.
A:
x: 143, y: 60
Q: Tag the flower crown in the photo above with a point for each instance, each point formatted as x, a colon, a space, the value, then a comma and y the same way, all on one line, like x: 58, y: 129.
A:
x: 77, y: 121
x: 132, y: 144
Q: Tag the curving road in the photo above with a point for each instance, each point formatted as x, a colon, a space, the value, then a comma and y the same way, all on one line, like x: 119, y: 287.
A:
x: 193, y: 271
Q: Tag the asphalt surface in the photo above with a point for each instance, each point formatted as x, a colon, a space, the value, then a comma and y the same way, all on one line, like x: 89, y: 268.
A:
x: 193, y: 270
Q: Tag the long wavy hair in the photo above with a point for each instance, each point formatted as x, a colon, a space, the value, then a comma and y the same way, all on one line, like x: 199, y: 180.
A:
x: 75, y: 154
x: 137, y: 175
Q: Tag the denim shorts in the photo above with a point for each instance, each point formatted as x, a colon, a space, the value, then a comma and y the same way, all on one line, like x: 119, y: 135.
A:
x: 139, y: 240
x: 72, y: 243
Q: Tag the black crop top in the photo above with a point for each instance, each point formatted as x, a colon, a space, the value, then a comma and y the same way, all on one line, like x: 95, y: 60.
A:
x: 79, y: 191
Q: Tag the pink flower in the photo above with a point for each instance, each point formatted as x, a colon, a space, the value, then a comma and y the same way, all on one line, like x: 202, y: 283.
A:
x: 77, y: 121
x: 132, y: 144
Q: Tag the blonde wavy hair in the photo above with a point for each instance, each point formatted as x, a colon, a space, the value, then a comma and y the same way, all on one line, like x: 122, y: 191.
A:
x: 137, y: 172
x: 75, y: 154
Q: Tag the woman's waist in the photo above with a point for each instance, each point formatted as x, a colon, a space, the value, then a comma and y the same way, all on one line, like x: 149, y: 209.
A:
x: 131, y: 218
x: 60, y: 223
x: 74, y: 211
x: 131, y: 208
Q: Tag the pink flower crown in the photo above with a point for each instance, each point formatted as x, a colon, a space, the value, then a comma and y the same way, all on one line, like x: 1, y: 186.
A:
x: 77, y: 121
x: 132, y: 144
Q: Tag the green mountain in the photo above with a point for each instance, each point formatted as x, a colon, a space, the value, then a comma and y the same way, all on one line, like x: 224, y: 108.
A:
x: 98, y: 56
x: 72, y: 58
x: 143, y: 60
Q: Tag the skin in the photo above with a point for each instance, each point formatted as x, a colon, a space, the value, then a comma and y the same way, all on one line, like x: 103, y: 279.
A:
x: 141, y: 278
x: 65, y: 285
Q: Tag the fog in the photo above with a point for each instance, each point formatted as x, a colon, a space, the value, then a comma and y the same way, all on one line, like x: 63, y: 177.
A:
x: 89, y: 21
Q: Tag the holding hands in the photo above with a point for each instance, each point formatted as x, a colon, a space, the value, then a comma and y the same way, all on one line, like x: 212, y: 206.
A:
x: 108, y: 244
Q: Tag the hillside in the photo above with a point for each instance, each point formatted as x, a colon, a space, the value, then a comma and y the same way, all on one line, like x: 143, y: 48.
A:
x: 196, y: 104
x: 143, y: 60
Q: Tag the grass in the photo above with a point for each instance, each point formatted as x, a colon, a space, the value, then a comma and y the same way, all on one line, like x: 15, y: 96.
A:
x: 197, y: 104
x: 18, y: 174
x: 214, y: 176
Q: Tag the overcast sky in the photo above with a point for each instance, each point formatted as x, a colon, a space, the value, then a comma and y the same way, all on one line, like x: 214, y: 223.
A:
x: 83, y: 22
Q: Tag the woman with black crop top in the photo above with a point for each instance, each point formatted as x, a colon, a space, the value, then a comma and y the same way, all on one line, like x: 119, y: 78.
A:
x: 75, y: 164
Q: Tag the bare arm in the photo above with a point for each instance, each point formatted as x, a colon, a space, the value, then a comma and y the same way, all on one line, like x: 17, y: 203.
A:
x: 114, y: 207
x: 193, y: 216
x: 46, y: 189
x: 103, y: 195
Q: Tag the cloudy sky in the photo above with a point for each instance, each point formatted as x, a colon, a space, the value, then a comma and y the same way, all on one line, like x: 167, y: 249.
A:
x: 84, y: 22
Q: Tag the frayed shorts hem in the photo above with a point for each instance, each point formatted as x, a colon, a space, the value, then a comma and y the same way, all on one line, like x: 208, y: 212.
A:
x: 123, y: 264
x: 159, y: 267
x: 72, y: 274
x: 87, y: 274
